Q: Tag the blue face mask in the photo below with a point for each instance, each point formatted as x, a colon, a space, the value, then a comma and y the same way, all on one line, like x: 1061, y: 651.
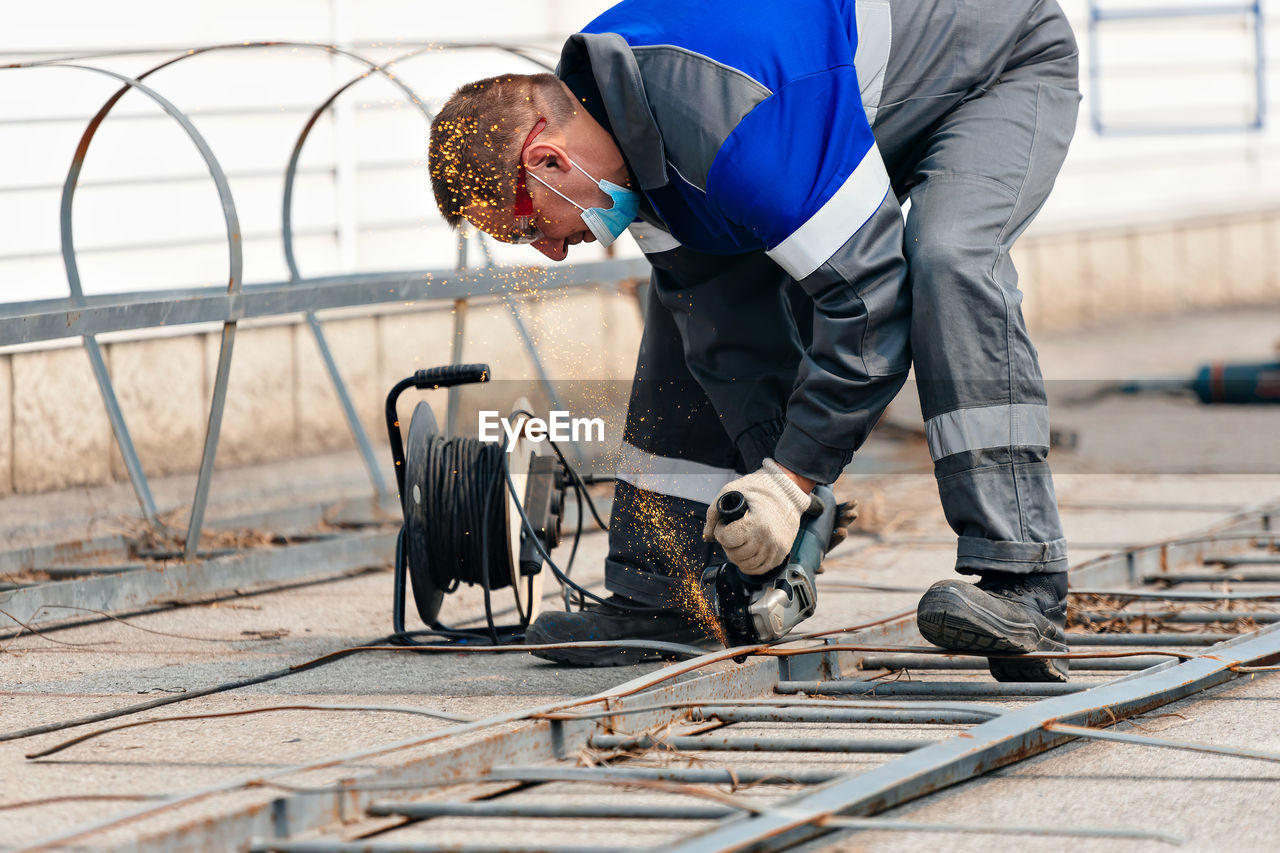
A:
x: 607, y: 224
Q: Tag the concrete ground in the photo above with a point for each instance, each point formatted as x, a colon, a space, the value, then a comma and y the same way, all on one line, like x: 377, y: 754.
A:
x: 902, y: 541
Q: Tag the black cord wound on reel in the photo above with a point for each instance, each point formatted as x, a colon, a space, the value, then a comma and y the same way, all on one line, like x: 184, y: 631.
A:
x: 455, y: 521
x: 462, y: 483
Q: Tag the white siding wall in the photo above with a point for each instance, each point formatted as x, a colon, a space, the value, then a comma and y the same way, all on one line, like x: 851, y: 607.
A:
x: 1137, y: 225
x: 146, y: 213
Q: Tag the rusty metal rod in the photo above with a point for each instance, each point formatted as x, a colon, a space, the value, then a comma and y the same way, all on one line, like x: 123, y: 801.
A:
x: 1196, y: 617
x: 879, y: 706
x: 1227, y: 561
x: 930, y: 688
x: 387, y: 709
x: 934, y: 651
x: 1145, y: 740
x: 1179, y: 595
x: 876, y: 824
x: 894, y: 662
x: 259, y: 845
x: 685, y: 775
x: 1212, y: 577
x: 499, y: 808
x: 1152, y: 639
x: 722, y: 743
x: 924, y: 717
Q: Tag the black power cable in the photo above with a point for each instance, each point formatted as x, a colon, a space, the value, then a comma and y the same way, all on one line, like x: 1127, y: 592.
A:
x: 559, y: 573
x: 459, y: 484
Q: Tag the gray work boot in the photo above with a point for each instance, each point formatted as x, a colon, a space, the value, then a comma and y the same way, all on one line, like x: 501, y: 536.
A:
x: 613, y: 621
x: 1002, y: 612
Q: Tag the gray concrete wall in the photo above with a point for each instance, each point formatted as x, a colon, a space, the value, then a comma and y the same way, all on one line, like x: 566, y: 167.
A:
x: 1072, y: 278
x: 54, y: 431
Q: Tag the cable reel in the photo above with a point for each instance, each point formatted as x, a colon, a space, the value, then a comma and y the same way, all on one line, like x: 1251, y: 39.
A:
x: 462, y: 522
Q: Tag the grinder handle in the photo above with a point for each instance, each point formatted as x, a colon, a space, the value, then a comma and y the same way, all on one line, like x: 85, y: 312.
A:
x: 811, y: 542
x: 451, y: 374
x: 732, y: 506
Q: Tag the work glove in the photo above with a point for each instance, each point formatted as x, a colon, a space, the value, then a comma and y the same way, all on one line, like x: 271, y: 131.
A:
x: 761, y: 539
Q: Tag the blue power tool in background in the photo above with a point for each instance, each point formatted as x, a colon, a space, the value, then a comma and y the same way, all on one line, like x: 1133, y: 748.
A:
x: 1240, y: 384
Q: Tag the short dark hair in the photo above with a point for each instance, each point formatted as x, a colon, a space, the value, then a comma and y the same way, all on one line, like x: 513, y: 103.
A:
x: 475, y: 139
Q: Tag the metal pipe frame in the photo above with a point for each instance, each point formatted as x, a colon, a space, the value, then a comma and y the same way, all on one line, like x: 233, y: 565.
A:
x: 860, y: 687
x: 537, y: 742
x: 19, y: 322
x: 1159, y: 639
x: 1184, y: 617
x: 553, y: 733
x: 109, y: 550
x: 1006, y: 739
x: 260, y: 846
x: 879, y: 824
x: 926, y: 662
x: 1128, y: 567
x: 788, y: 704
x: 648, y: 703
x: 1216, y: 577
x: 663, y: 701
x: 39, y: 603
x: 1175, y: 595
x: 1099, y: 15
x: 55, y: 319
x: 820, y: 714
x: 1165, y: 743
x: 236, y: 263
x: 729, y: 743
x: 682, y: 775
x: 499, y: 808
x: 1272, y: 559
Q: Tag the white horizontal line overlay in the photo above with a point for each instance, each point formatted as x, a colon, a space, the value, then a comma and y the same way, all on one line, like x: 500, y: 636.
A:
x: 814, y: 242
x: 1018, y: 425
x: 652, y: 240
x: 677, y: 478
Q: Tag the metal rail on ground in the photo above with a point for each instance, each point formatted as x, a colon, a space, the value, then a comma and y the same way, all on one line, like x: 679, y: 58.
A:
x: 695, y: 710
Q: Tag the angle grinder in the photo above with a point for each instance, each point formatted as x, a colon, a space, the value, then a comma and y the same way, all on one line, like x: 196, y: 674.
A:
x: 756, y: 609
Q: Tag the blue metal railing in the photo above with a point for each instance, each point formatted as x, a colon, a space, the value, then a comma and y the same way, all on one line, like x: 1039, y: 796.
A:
x: 1100, y: 13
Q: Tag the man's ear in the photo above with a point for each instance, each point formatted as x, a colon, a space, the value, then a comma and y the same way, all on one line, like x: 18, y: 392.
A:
x: 547, y: 156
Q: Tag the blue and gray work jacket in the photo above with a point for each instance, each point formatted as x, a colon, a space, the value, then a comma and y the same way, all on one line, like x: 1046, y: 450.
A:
x: 748, y: 126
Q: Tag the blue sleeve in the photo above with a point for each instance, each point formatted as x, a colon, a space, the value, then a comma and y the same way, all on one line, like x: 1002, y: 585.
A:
x: 803, y: 174
x: 801, y: 171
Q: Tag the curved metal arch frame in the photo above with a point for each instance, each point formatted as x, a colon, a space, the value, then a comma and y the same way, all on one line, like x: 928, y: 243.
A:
x: 361, y: 436
x: 236, y: 265
x: 286, y: 227
x: 460, y: 306
x: 119, y: 426
x: 222, y: 374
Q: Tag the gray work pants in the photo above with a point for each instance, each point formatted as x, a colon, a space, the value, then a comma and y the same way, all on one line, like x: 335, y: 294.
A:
x: 975, y: 179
